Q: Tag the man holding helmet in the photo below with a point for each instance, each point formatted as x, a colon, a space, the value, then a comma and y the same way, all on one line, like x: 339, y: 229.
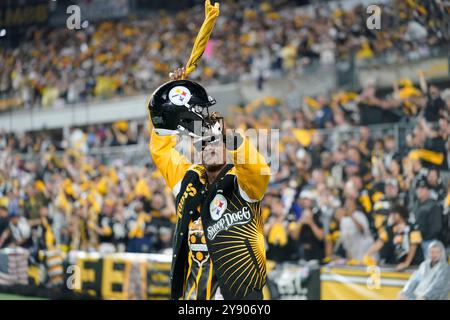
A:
x: 218, y: 245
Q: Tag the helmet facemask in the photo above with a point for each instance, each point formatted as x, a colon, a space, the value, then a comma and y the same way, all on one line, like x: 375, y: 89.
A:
x: 198, y: 122
x: 213, y: 134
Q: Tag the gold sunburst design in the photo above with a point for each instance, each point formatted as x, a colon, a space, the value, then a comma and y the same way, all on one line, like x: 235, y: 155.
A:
x: 240, y: 248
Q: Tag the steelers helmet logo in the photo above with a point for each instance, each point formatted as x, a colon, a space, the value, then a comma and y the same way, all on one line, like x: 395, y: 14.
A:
x: 179, y: 95
x: 218, y: 207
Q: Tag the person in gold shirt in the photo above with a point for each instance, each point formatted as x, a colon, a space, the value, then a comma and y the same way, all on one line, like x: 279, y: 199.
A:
x: 218, y: 245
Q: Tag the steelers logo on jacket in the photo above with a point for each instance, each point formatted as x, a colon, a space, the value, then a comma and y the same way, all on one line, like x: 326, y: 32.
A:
x: 233, y: 232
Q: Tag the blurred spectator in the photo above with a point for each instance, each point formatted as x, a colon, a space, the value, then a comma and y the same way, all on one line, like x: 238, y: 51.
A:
x: 435, y: 105
x: 278, y: 229
x: 432, y: 280
x: 126, y: 57
x: 164, y: 244
x: 333, y: 241
x: 141, y: 231
x: 3, y: 218
x: 354, y: 232
x: 309, y: 233
x: 18, y: 233
x: 446, y: 220
x: 338, y: 176
x: 402, y: 240
x: 385, y: 203
x: 105, y: 228
x: 43, y: 236
x: 428, y: 215
x: 436, y: 188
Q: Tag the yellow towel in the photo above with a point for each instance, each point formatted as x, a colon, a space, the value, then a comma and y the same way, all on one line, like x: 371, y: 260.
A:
x: 304, y: 136
x: 427, y: 155
x: 277, y: 235
x: 369, y: 261
x: 211, y: 14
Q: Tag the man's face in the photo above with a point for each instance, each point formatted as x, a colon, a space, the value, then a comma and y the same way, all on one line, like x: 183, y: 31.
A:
x: 353, y: 155
x: 434, y: 253
x: 306, y: 202
x: 416, y: 166
x: 364, y: 133
x: 422, y: 193
x: 391, y: 191
x: 15, y: 220
x: 443, y: 124
x: 277, y: 208
x: 214, y: 155
x: 165, y: 236
x: 108, y: 209
x: 139, y: 207
x: 326, y: 161
x: 350, y: 191
x: 389, y: 144
x: 29, y: 191
x: 43, y: 212
x: 434, y: 92
x: 157, y: 201
x: 340, y: 213
x: 432, y: 177
x: 395, y: 218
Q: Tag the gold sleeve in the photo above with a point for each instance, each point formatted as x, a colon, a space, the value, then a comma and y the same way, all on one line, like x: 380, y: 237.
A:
x: 383, y: 235
x: 415, y: 237
x: 172, y: 165
x: 252, y: 171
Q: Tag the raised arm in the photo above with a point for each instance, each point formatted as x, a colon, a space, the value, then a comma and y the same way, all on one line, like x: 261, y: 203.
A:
x: 252, y: 171
x: 172, y: 165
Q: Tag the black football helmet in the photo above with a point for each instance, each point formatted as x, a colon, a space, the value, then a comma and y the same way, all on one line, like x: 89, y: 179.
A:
x: 181, y: 106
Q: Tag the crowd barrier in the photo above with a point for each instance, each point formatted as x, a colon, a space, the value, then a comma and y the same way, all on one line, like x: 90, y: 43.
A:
x: 123, y: 276
x: 361, y: 283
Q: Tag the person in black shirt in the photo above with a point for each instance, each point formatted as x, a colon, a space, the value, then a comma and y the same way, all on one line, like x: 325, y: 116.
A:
x: 400, y: 240
x: 435, y: 185
x: 3, y: 219
x: 18, y: 233
x: 141, y: 231
x: 428, y: 215
x: 42, y: 232
x: 119, y: 229
x: 104, y: 228
x: 369, y: 106
x: 436, y: 140
x: 280, y: 246
x: 434, y: 104
x: 164, y: 241
x: 310, y: 229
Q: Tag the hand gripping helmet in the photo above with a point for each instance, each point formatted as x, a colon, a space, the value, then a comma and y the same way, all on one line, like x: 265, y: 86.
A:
x: 181, y: 106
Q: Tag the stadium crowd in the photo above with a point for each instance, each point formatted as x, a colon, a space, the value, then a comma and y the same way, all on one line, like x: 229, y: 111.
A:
x: 342, y: 191
x: 256, y: 40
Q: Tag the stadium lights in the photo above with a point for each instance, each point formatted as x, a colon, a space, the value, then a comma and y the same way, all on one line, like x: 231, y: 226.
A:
x: 2, y: 33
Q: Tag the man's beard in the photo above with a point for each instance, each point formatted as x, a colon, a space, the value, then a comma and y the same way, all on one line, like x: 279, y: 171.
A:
x: 214, y: 167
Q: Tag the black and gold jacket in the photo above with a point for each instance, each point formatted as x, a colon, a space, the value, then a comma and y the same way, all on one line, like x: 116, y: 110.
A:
x: 230, y: 209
